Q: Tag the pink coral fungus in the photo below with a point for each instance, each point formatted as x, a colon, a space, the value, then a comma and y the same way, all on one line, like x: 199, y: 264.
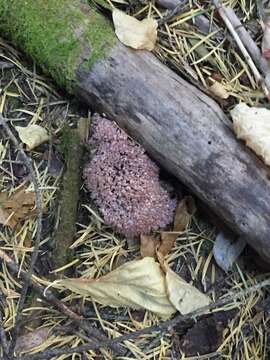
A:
x: 124, y: 182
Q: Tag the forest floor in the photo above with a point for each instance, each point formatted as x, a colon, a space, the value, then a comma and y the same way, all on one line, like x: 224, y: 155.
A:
x: 237, y: 330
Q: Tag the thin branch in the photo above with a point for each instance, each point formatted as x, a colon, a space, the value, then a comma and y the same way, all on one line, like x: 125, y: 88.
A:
x: 166, y: 325
x: 247, y: 40
x: 34, y: 255
x: 52, y: 300
x: 3, y: 339
x: 226, y: 15
x: 260, y: 10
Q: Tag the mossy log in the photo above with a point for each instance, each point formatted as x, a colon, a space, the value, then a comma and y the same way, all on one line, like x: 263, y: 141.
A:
x: 180, y: 127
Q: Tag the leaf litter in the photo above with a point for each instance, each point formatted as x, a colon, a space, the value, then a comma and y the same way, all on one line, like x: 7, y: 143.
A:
x: 32, y: 135
x: 16, y: 207
x: 98, y: 250
x: 140, y: 35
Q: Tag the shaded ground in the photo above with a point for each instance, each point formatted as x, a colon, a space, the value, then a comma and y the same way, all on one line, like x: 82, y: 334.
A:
x: 236, y: 331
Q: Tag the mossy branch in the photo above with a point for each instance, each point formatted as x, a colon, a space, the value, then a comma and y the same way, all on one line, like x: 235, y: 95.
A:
x: 60, y: 35
x: 72, y: 151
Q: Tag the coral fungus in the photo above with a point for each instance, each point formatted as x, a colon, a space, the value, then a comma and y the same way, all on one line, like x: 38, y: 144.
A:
x: 124, y: 182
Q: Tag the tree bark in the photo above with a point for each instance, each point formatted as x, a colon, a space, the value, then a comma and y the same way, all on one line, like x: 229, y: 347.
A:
x: 179, y: 126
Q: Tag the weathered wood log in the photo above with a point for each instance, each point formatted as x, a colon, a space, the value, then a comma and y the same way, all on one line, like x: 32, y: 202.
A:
x: 180, y: 127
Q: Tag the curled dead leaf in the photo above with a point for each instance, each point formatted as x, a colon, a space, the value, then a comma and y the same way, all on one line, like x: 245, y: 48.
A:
x: 31, y: 340
x: 184, y: 212
x: 185, y: 297
x: 252, y: 125
x: 134, y: 33
x: 139, y: 284
x: 16, y: 207
x: 219, y: 90
x: 32, y: 135
x: 168, y: 240
x: 148, y: 246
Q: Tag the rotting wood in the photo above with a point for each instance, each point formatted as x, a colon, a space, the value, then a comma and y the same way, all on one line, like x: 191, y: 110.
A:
x: 72, y: 151
x: 180, y: 127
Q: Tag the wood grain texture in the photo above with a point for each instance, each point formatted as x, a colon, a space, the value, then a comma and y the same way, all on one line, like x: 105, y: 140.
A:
x: 187, y: 133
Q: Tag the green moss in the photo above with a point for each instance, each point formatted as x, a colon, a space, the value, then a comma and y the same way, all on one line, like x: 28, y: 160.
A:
x: 60, y: 35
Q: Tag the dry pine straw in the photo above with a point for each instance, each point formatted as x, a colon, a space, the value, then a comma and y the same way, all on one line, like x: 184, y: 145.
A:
x: 28, y: 98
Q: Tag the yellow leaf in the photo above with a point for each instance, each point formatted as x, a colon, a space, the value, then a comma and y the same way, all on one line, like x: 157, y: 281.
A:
x: 219, y: 90
x: 32, y: 135
x: 134, y: 33
x: 252, y: 125
x: 185, y: 297
x: 138, y: 284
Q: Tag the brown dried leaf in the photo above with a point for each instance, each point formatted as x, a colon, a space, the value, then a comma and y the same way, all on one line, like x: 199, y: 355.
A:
x: 149, y: 244
x: 167, y: 242
x: 16, y: 207
x: 31, y: 340
x: 183, y: 214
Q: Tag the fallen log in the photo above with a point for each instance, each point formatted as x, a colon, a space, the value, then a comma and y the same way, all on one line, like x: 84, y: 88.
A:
x: 179, y: 126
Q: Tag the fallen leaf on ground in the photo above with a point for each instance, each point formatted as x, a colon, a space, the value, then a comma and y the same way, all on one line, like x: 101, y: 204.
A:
x: 184, y: 297
x: 219, y: 90
x: 32, y: 135
x: 138, y: 284
x: 167, y: 242
x: 252, y: 125
x: 16, y: 207
x: 148, y: 245
x: 31, y: 340
x: 227, y: 249
x: 183, y: 214
x: 206, y: 335
x: 134, y: 33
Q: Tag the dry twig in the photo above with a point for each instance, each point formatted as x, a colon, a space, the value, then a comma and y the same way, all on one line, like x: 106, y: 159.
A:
x: 34, y: 256
x: 227, y: 15
x: 165, y: 326
x: 181, y: 6
x: 51, y: 299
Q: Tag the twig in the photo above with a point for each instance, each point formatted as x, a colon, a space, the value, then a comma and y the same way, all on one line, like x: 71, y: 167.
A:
x: 260, y: 10
x: 51, y: 299
x: 166, y: 325
x: 249, y: 43
x: 175, y: 11
x: 224, y: 15
x: 3, y: 339
x: 34, y: 255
